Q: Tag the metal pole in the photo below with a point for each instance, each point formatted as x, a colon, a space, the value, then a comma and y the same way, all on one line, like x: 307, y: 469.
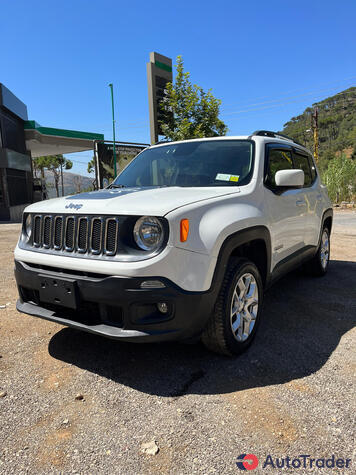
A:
x: 62, y: 179
x: 113, y: 127
x: 97, y: 167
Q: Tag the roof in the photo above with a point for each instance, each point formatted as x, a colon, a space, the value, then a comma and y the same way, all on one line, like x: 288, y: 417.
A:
x: 52, y: 141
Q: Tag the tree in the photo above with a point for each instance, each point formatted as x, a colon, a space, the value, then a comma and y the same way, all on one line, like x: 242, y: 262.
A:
x: 91, y: 166
x: 39, y: 164
x: 189, y: 112
x: 78, y: 183
x: 107, y: 169
x: 337, y: 126
x: 55, y: 164
x: 340, y: 178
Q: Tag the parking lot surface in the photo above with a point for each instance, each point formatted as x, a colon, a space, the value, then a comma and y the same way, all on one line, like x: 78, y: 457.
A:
x: 72, y: 402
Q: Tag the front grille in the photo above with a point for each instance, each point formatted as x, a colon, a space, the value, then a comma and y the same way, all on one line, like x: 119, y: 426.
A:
x: 37, y: 230
x: 83, y: 234
x: 96, y: 235
x: 82, y: 238
x: 57, y: 238
x: 47, y: 224
x: 69, y: 235
x: 110, y: 236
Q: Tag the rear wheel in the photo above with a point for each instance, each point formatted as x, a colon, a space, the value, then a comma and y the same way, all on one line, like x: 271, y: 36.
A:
x: 236, y: 317
x: 318, y: 266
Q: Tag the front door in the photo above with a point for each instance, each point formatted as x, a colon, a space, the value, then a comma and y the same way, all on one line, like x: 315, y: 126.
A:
x: 287, y: 207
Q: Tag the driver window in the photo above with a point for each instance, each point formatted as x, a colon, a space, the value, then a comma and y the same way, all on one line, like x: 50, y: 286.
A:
x: 278, y: 159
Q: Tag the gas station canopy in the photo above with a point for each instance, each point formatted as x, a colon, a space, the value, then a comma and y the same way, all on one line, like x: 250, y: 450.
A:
x: 41, y: 141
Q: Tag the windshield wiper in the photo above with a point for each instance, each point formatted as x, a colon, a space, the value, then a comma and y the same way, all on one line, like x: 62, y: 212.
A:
x: 114, y: 185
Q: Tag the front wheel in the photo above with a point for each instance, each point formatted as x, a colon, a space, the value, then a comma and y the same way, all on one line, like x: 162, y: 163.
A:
x: 236, y: 316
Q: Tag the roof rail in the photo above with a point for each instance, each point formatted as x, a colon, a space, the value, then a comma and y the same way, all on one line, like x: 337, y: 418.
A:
x: 276, y: 135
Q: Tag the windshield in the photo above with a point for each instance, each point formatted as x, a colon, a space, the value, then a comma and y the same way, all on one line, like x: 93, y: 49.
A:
x: 205, y: 163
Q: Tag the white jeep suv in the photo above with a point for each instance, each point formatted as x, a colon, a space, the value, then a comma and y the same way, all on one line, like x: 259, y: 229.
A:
x: 182, y: 245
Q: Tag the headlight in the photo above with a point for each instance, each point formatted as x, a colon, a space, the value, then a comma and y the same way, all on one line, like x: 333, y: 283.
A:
x: 148, y: 233
x: 28, y: 225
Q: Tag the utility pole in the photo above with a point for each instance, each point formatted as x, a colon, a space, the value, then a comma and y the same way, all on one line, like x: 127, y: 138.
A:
x: 315, y: 129
x: 113, y: 127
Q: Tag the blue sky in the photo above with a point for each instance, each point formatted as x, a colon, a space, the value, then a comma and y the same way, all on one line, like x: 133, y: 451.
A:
x: 266, y: 61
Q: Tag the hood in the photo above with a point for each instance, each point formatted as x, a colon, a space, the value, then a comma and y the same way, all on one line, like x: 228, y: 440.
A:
x: 130, y: 201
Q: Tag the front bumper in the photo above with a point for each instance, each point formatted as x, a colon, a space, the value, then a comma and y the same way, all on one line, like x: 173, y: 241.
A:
x: 115, y: 307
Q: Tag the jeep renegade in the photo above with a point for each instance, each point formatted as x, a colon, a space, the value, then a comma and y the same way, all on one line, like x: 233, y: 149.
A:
x: 182, y: 245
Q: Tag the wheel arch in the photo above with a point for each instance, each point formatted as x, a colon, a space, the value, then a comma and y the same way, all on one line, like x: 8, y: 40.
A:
x: 253, y: 243
x: 328, y: 219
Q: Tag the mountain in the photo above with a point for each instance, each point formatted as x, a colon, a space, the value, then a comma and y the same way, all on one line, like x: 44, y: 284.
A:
x: 73, y: 183
x: 337, y: 126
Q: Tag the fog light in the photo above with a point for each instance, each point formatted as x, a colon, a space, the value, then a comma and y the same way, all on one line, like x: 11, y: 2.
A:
x: 152, y: 284
x: 162, y: 307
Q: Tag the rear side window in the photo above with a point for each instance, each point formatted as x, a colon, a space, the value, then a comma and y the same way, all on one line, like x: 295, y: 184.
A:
x: 312, y: 169
x: 278, y: 159
x: 302, y: 162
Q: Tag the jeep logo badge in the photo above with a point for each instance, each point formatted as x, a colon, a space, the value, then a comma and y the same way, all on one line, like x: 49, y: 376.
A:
x: 74, y: 206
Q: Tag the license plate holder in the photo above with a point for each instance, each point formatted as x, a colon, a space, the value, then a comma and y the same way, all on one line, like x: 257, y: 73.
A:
x: 60, y: 291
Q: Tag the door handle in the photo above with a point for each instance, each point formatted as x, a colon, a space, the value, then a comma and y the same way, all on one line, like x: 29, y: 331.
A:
x: 318, y: 197
x: 300, y: 202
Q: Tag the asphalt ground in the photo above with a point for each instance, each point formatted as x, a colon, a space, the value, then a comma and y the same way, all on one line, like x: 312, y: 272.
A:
x: 292, y: 393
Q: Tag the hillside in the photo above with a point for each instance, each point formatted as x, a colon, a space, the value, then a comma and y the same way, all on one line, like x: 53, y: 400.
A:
x: 73, y: 183
x: 337, y: 126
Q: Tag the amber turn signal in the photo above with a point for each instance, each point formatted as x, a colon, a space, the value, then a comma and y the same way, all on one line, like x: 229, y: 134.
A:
x: 184, y: 229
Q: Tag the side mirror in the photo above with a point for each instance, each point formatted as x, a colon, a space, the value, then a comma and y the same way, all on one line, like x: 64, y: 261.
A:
x: 291, y: 178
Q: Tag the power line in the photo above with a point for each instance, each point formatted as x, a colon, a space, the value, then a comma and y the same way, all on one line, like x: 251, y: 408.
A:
x: 309, y: 91
x: 317, y: 93
x: 250, y: 107
x: 235, y: 129
x: 281, y: 104
x: 77, y: 161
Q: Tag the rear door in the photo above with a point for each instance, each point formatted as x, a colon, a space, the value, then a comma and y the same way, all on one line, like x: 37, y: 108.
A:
x: 287, y: 207
x: 312, y: 196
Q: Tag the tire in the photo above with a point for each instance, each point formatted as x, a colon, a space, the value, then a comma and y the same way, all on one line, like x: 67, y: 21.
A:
x: 224, y: 332
x: 318, y: 266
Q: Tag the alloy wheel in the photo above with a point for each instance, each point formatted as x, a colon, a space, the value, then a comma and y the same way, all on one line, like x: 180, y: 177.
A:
x: 244, y: 307
x: 324, y: 249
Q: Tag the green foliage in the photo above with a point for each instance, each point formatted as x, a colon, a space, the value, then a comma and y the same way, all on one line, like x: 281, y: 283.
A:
x: 340, y: 178
x: 91, y: 166
x: 189, y: 111
x: 39, y: 164
x: 53, y: 163
x: 337, y: 126
x: 107, y: 169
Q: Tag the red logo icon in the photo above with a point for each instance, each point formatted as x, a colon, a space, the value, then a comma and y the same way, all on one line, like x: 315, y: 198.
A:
x: 247, y: 462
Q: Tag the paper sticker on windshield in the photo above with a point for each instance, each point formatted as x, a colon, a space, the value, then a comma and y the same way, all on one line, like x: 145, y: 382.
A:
x: 226, y: 177
x: 222, y: 177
